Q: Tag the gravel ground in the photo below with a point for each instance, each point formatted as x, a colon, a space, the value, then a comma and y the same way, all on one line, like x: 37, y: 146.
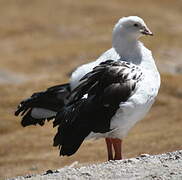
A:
x: 158, y: 167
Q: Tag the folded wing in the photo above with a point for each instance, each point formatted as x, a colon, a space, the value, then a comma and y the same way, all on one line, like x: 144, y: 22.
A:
x: 94, y: 102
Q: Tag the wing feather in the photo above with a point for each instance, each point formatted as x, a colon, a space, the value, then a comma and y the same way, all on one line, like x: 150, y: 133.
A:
x: 94, y: 102
x: 43, y: 105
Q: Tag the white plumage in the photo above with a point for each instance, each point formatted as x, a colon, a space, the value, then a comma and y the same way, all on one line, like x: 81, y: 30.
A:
x: 133, y: 51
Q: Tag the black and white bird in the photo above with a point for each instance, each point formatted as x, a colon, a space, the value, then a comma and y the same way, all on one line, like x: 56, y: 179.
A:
x: 104, y: 98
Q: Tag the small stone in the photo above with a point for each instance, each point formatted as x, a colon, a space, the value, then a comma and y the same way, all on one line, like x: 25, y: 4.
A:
x: 126, y: 160
x: 133, y: 160
x: 154, y: 176
x: 129, y: 160
x: 177, y: 157
x: 144, y: 155
x: 49, y: 172
x: 86, y: 173
x: 28, y: 176
x: 165, y: 165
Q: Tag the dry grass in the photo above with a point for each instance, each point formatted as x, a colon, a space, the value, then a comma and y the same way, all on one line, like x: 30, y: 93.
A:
x: 43, y: 40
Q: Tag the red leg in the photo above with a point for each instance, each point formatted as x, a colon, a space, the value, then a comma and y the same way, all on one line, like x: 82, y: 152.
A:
x: 109, y: 148
x: 117, y: 144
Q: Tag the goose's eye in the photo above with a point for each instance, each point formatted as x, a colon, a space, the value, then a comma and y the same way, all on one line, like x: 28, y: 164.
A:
x: 136, y: 25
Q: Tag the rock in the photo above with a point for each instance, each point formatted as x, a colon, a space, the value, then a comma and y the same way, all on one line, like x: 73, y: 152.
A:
x: 144, y: 155
x: 49, y: 172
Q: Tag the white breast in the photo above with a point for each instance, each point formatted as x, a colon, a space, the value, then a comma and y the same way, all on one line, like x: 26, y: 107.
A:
x: 134, y: 109
x: 137, y: 106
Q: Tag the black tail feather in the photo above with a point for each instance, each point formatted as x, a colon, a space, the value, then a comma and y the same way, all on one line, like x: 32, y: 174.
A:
x: 28, y: 120
x: 70, y: 138
x: 53, y: 99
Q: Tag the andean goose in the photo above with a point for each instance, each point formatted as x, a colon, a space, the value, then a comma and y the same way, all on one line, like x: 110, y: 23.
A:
x: 105, y: 98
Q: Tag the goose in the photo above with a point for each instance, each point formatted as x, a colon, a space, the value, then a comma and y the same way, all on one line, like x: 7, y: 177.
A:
x: 104, y: 98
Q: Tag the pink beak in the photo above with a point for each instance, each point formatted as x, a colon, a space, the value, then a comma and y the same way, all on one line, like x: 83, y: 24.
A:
x: 146, y: 31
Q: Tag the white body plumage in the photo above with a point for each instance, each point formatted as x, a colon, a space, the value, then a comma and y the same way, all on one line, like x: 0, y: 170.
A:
x: 137, y: 106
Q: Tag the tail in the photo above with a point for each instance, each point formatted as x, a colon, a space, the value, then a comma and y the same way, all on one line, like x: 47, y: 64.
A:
x: 69, y: 139
x: 73, y: 127
x: 43, y: 105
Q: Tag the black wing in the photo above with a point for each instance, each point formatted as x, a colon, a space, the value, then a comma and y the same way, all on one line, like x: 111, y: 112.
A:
x: 43, y: 105
x: 106, y: 87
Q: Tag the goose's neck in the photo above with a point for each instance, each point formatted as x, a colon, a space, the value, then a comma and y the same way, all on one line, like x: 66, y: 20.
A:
x: 128, y: 49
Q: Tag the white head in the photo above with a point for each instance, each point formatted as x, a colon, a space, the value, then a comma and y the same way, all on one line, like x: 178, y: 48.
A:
x: 131, y: 28
x: 126, y: 33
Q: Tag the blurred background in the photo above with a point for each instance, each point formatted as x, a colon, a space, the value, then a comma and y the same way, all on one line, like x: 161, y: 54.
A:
x: 41, y: 41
